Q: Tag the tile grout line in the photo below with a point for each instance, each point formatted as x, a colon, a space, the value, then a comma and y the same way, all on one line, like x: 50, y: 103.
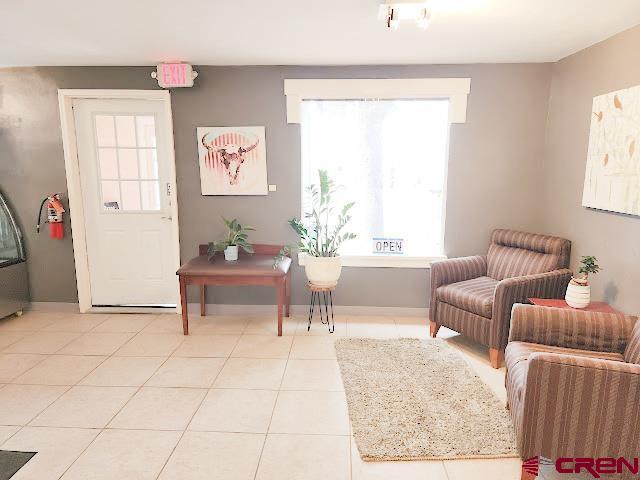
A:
x: 275, y: 403
x: 21, y: 427
x: 164, y: 465
x: 123, y: 406
x: 46, y: 356
x: 41, y: 411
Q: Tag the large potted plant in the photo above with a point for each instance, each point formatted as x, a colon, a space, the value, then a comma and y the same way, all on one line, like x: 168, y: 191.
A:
x: 579, y: 291
x: 321, y: 234
x: 236, y: 237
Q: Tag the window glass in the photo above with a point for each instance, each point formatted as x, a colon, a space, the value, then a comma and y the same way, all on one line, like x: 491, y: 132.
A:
x: 389, y: 156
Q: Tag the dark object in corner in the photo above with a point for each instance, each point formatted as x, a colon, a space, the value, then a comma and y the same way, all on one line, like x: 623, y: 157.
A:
x: 11, y: 462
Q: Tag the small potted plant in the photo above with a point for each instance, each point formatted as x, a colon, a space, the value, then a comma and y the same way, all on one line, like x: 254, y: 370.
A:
x: 579, y: 291
x: 236, y: 237
x: 321, y: 236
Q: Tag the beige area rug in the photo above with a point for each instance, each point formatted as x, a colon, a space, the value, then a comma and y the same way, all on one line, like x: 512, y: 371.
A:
x: 413, y: 399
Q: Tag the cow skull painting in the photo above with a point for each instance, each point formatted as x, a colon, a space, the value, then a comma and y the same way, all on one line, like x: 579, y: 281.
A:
x: 232, y: 160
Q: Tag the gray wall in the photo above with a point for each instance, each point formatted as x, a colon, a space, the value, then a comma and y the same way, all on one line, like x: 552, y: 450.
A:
x: 613, y: 238
x: 493, y: 181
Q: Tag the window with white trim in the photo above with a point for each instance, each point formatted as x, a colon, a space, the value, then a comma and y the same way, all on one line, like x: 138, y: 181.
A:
x: 390, y: 157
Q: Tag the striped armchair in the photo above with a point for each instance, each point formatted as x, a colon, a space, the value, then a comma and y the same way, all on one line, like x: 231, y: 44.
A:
x: 474, y: 295
x: 573, y: 383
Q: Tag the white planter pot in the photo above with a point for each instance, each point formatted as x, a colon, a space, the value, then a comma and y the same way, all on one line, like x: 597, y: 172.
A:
x: 323, y: 271
x: 231, y: 253
x: 578, y: 296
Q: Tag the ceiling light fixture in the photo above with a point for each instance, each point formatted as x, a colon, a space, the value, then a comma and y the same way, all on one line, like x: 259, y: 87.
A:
x: 393, y: 11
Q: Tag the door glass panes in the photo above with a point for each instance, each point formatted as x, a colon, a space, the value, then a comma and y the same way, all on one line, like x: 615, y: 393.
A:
x: 105, y: 131
x: 130, y: 194
x: 146, y: 131
x: 108, y: 163
x: 110, y: 195
x: 148, y: 163
x: 128, y: 162
x: 128, y: 158
x: 125, y: 131
x: 150, y: 195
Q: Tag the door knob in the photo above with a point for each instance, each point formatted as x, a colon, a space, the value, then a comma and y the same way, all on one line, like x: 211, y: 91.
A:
x: 167, y: 217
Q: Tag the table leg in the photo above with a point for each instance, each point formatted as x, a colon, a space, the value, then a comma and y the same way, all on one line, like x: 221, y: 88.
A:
x: 288, y: 295
x: 203, y: 300
x: 183, y: 301
x: 282, y: 287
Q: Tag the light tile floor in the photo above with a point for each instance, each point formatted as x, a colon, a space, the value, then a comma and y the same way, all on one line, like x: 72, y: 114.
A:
x: 129, y: 397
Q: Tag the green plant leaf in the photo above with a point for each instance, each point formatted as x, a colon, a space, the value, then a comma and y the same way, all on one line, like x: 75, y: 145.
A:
x: 321, y: 234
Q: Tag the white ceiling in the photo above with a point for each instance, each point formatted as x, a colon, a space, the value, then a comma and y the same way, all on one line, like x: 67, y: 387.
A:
x: 300, y: 32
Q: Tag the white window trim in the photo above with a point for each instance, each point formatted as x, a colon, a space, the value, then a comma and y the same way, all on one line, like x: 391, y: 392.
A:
x: 455, y: 90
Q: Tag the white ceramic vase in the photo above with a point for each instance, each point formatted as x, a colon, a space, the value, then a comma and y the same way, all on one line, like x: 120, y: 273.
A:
x: 578, y: 294
x: 231, y: 253
x: 323, y: 271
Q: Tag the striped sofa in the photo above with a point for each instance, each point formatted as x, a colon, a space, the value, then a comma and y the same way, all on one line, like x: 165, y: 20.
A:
x: 474, y: 295
x: 573, y: 383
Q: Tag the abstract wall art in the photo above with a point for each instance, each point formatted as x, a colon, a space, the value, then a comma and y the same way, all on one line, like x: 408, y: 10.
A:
x: 612, y: 177
x: 233, y: 160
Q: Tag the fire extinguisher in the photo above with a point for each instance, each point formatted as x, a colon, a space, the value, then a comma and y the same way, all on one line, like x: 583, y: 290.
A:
x: 54, y: 216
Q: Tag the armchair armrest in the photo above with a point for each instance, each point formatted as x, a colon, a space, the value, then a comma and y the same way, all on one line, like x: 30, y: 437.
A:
x: 517, y: 290
x: 455, y: 270
x: 561, y: 327
x: 578, y: 397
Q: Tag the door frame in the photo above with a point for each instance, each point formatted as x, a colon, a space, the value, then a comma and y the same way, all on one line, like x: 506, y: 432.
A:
x: 74, y: 186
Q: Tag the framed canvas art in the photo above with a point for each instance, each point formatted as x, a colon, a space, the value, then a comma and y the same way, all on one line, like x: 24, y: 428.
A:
x: 233, y: 160
x: 612, y: 177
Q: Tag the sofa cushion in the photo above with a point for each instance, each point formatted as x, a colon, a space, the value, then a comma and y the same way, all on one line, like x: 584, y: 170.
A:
x: 507, y: 262
x: 475, y: 295
x: 516, y: 358
x: 514, y: 254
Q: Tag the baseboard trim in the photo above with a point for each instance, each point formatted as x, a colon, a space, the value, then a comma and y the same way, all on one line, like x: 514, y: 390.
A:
x: 54, y: 307
x: 228, y: 309
x: 222, y: 309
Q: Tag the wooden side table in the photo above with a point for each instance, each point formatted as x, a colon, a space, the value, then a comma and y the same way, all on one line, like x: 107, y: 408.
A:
x: 601, y: 307
x: 317, y: 294
x: 249, y: 269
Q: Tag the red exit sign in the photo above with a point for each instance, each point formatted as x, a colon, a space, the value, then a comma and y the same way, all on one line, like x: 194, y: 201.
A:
x: 174, y: 75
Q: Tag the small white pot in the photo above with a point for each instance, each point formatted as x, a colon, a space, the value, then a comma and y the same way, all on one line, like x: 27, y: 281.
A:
x: 578, y: 296
x: 323, y: 271
x: 231, y: 253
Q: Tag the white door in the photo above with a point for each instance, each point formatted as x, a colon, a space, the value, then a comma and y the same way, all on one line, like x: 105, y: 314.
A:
x: 126, y: 185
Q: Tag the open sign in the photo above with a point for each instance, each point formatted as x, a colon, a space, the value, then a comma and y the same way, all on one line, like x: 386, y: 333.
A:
x: 388, y: 246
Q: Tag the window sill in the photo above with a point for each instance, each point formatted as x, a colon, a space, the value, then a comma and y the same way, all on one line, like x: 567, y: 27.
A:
x: 386, y: 261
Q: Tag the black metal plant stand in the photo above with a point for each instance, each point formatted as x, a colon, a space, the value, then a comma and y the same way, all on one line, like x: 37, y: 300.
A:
x: 320, y: 296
